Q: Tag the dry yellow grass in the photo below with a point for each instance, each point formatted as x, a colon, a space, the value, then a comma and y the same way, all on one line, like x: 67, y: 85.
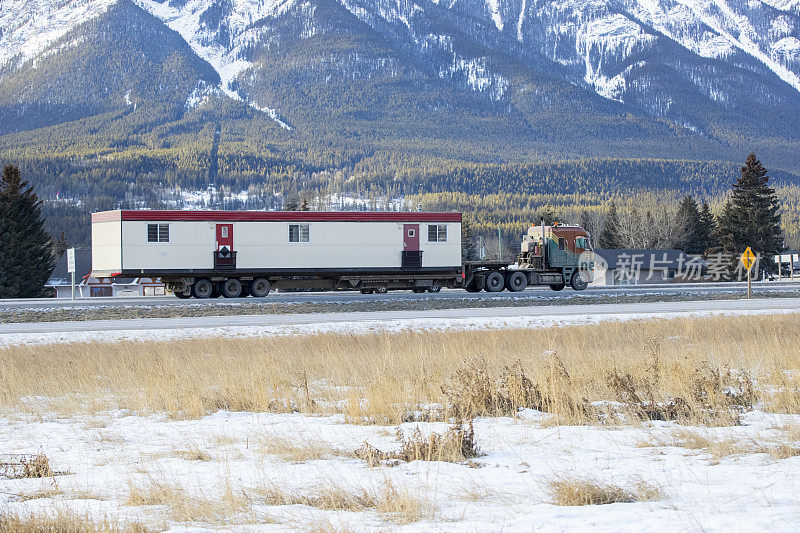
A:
x: 578, y: 491
x: 65, y: 521
x: 396, y: 504
x: 385, y: 378
x: 718, y: 447
x: 297, y: 449
x: 183, y: 505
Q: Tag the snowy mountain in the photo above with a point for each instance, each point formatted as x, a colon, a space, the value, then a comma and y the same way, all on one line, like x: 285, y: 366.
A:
x: 670, y: 77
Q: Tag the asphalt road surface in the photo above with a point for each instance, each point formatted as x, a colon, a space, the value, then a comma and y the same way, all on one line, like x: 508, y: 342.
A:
x: 677, y: 307
x: 704, y: 290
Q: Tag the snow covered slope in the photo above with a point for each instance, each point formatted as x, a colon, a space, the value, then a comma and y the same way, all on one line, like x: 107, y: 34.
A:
x: 27, y: 27
x: 712, y: 67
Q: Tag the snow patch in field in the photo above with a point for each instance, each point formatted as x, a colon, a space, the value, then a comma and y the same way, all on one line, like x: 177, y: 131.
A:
x: 505, y: 489
x: 360, y: 327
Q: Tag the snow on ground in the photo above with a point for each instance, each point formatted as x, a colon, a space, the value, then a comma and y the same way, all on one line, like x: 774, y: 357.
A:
x: 355, y: 327
x: 505, y: 489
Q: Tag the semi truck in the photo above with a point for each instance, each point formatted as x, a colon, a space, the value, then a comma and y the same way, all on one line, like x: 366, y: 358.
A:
x: 204, y: 254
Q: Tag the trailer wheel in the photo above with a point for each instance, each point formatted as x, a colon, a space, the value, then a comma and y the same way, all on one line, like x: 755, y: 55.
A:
x: 259, y: 287
x: 418, y: 290
x: 435, y: 288
x: 202, y: 288
x: 495, y: 282
x: 579, y: 282
x: 383, y: 289
x: 183, y: 295
x: 367, y: 291
x: 231, y: 288
x: 557, y: 286
x: 517, y: 281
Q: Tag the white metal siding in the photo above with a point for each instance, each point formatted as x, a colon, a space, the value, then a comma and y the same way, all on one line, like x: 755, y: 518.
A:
x: 266, y: 245
x: 107, y: 246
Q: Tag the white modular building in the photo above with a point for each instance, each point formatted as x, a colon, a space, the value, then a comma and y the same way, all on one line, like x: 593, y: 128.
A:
x: 260, y: 243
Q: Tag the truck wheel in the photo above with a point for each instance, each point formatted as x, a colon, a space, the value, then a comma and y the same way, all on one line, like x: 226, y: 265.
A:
x: 476, y: 285
x: 495, y: 282
x: 418, y: 290
x: 367, y: 291
x: 260, y: 287
x: 579, y: 282
x: 202, y: 288
x: 183, y: 295
x: 557, y: 286
x: 231, y: 288
x: 516, y: 281
x: 435, y: 288
x: 382, y: 290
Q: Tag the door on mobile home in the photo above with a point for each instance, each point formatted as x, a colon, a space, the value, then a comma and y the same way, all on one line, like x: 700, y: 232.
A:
x: 224, y: 255
x: 411, y: 256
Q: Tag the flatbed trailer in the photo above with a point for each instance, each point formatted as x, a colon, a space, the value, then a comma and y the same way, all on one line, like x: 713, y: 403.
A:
x: 205, y: 254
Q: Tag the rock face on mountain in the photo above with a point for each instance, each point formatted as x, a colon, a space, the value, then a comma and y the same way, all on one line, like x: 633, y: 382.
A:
x: 641, y: 78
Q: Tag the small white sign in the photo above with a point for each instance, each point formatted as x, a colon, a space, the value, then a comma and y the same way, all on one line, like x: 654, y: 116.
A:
x: 71, y: 260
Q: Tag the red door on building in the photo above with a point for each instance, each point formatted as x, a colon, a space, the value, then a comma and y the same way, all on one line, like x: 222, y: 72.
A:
x: 411, y: 237
x: 411, y: 255
x: 224, y: 255
x: 225, y: 237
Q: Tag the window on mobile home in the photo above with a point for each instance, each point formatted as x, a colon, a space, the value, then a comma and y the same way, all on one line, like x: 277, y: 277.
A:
x: 158, y: 233
x: 299, y: 233
x: 437, y: 232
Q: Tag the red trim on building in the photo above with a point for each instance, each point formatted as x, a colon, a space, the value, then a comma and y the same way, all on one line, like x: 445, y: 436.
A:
x: 275, y: 216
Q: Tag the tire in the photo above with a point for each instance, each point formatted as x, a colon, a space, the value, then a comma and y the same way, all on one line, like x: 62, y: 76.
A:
x: 367, y: 291
x: 557, y: 286
x: 516, y: 281
x: 418, y: 290
x: 259, y: 287
x: 579, y: 282
x: 183, y: 295
x: 495, y: 282
x: 231, y: 288
x: 202, y: 289
x: 382, y: 290
x: 434, y: 288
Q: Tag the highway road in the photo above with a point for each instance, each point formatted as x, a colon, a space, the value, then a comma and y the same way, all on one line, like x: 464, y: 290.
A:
x: 741, y: 306
x: 534, y: 294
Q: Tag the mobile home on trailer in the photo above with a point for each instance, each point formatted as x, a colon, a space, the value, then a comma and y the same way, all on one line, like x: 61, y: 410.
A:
x: 239, y: 253
x: 232, y: 253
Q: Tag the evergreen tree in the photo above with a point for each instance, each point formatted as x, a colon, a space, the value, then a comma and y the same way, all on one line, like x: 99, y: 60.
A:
x: 469, y: 250
x: 706, y: 229
x: 26, y: 260
x: 687, y: 222
x: 609, y: 234
x: 751, y: 216
x: 60, y: 246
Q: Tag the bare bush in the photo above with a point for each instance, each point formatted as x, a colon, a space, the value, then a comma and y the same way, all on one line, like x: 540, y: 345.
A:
x: 456, y: 445
x: 25, y: 466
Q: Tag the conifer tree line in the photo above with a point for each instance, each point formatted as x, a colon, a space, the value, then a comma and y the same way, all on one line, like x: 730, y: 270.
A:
x: 749, y: 217
x: 26, y: 256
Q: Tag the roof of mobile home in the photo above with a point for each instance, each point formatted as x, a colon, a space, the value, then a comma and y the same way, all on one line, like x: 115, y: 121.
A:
x: 274, y: 216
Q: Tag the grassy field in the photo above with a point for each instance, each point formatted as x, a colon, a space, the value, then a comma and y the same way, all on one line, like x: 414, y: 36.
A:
x: 452, y: 430
x: 691, y: 369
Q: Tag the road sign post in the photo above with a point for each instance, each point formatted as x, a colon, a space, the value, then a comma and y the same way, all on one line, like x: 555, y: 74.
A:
x: 71, y: 267
x: 748, y: 259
